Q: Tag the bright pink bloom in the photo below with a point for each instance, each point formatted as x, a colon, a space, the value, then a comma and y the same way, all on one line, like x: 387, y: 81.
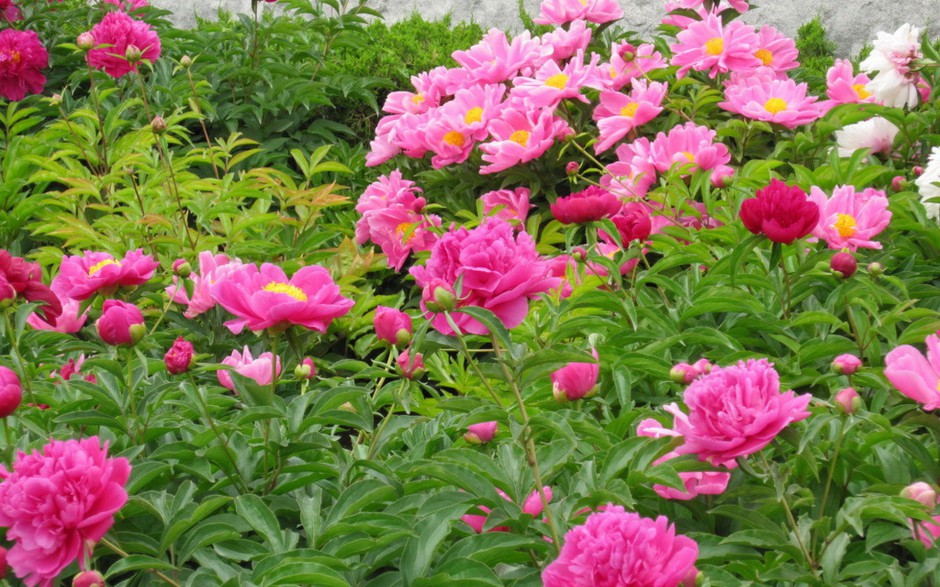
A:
x: 776, y: 50
x: 568, y: 42
x: 495, y: 59
x: 57, y: 504
x: 616, y: 548
x: 736, y: 411
x: 688, y: 144
x: 914, y: 375
x: 268, y: 299
x: 846, y: 364
x: 576, y: 380
x: 533, y: 506
x: 848, y: 401
x: 83, y: 277
x: 551, y: 84
x: 585, y: 206
x: 781, y: 101
x: 519, y: 137
x: 510, y: 205
x: 710, y: 46
x: 628, y: 62
x: 559, y: 12
x: 410, y: 366
x: 68, y: 321
x: 392, y: 326
x: 850, y: 219
x: 632, y: 175
x: 212, y: 268
x: 448, y: 138
x: 88, y: 579
x: 72, y: 369
x: 618, y: 114
x: 496, y: 269
x: 921, y: 492
x: 179, y: 357
x: 10, y: 13
x: 780, y: 212
x: 122, y: 35
x: 844, y: 87
x: 246, y: 365
x: 22, y: 56
x: 481, y: 433
x: 11, y: 391
x: 633, y: 222
x: 120, y: 324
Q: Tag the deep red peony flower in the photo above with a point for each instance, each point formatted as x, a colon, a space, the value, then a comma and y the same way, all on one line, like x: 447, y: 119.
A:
x: 780, y: 212
x: 25, y: 279
x: 588, y: 205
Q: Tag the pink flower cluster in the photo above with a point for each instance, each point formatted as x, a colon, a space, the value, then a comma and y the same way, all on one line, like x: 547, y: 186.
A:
x: 121, y: 43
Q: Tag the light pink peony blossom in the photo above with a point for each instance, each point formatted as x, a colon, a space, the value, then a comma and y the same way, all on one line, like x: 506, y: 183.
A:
x: 246, y: 365
x: 893, y: 57
x: 22, y: 56
x: 850, y: 219
x: 776, y: 50
x: 843, y: 86
x: 616, y: 548
x: 617, y: 114
x: 496, y: 269
x: 710, y: 46
x: 552, y: 83
x: 634, y: 172
x: 689, y: 144
x: 212, y: 268
x: 496, y: 59
x: 848, y: 401
x: 568, y: 42
x: 575, y: 381
x: 846, y: 364
x: 780, y: 101
x: 56, y: 504
x: 629, y: 62
x: 736, y: 411
x: 84, y: 276
x: 914, y: 375
x: 533, y: 505
x: 520, y: 136
x: 558, y: 12
x: 267, y: 299
x: 116, y: 37
x: 510, y: 205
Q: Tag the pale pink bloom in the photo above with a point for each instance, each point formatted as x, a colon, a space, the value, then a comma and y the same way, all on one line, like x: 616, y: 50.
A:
x: 780, y: 101
x: 565, y: 268
x: 736, y: 411
x: 914, y: 375
x: 68, y: 321
x: 776, y: 50
x: 510, y: 205
x: 710, y: 46
x: 688, y: 144
x: 575, y: 381
x: 82, y: 277
x: 519, y: 137
x: 533, y: 505
x: 632, y: 175
x: 56, y: 504
x: 618, y: 114
x: 404, y: 102
x: 588, y: 205
x: 875, y: 134
x: 475, y: 107
x: 212, y: 268
x: 448, y: 138
x: 567, y: 42
x: 495, y: 59
x: 559, y: 12
x: 495, y: 268
x: 921, y: 492
x: 117, y: 35
x: 892, y: 57
x: 246, y: 365
x: 267, y: 299
x: 551, y: 84
x: 481, y: 433
x: 843, y: 86
x: 628, y: 62
x: 22, y: 56
x: 850, y: 219
x: 616, y: 548
x: 740, y: 5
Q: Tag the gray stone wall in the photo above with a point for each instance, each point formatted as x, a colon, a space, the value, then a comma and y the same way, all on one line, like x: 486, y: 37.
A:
x: 851, y: 23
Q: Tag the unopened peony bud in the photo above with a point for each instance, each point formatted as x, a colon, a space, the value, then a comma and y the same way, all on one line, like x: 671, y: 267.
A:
x: 133, y: 54
x: 917, y: 170
x: 121, y: 324
x: 721, y: 176
x: 88, y: 579
x: 480, y: 433
x: 898, y: 183
x: 848, y: 401
x: 392, y: 326
x: 572, y: 167
x: 182, y: 268
x: 186, y: 61
x: 85, y: 41
x: 180, y: 357
x: 305, y: 369
x: 875, y: 269
x: 11, y: 392
x: 846, y: 364
x: 55, y: 99
x: 409, y: 367
x: 921, y: 492
x: 843, y: 265
x: 439, y: 296
x: 158, y: 125
x: 575, y: 381
x: 686, y: 373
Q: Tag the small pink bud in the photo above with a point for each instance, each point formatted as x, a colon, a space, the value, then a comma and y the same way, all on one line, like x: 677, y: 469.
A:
x: 843, y: 265
x: 846, y: 364
x: 572, y: 167
x: 721, y: 176
x: 439, y: 296
x: 55, y: 99
x: 182, y: 268
x: 898, y: 183
x: 180, y: 357
x: 85, y: 41
x: 576, y: 381
x: 480, y: 433
x: 158, y: 125
x: 921, y: 492
x: 918, y: 170
x: 392, y: 326
x: 410, y: 367
x: 121, y: 324
x: 186, y: 61
x: 306, y: 369
x: 133, y: 54
x: 686, y: 373
x: 11, y: 392
x: 848, y: 401
x: 88, y: 579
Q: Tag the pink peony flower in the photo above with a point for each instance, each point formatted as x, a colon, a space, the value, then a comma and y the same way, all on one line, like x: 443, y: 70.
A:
x: 57, y: 504
x: 179, y: 357
x: 634, y: 172
x: 20, y: 278
x: 10, y: 13
x: 844, y: 87
x: 533, y: 506
x: 88, y: 579
x: 633, y: 223
x: 551, y: 83
x: 68, y: 321
x: 22, y: 56
x: 688, y: 144
x: 481, y: 432
x: 72, y: 369
x: 686, y: 373
x: 558, y: 12
x: 495, y: 59
x: 568, y: 42
x: 616, y: 548
x: 781, y: 101
x: 120, y: 324
x: 122, y: 43
x: 246, y: 365
x: 410, y: 365
x: 576, y: 380
x: 392, y: 326
x: 710, y: 46
x: 780, y: 212
x: 129, y: 5
x: 736, y: 411
x: 618, y: 114
x: 267, y: 299
x: 914, y: 375
x: 212, y: 268
x: 843, y: 264
x: 496, y: 269
x: 921, y: 492
x: 83, y: 277
x: 510, y: 205
x: 520, y: 136
x: 776, y: 50
x: 629, y: 62
x: 850, y: 219
x: 589, y: 205
x: 11, y: 391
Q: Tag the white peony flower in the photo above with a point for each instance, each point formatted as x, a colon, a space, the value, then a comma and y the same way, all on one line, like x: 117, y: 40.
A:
x: 925, y: 184
x: 895, y: 84
x: 875, y: 133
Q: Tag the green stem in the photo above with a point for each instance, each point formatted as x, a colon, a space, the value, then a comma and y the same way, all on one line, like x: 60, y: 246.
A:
x: 121, y: 552
x: 103, y: 153
x: 239, y: 479
x: 473, y: 363
x: 832, y: 467
x: 790, y: 518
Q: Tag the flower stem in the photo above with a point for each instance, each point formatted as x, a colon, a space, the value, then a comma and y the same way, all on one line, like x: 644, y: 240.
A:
x: 121, y: 552
x: 20, y: 362
x: 473, y: 363
x: 832, y: 466
x: 786, y: 508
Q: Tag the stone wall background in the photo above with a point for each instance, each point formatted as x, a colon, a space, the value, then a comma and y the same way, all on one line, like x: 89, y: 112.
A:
x: 850, y: 23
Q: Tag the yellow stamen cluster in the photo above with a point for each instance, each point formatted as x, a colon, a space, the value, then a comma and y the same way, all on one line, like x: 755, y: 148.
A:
x: 101, y: 265
x: 775, y: 105
x: 475, y: 114
x: 765, y: 56
x: 521, y: 137
x: 845, y: 225
x: 715, y: 47
x: 557, y: 81
x: 455, y: 138
x: 629, y: 109
x: 288, y: 289
x: 860, y: 90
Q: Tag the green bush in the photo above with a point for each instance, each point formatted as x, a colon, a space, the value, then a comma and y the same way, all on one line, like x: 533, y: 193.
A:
x: 817, y: 52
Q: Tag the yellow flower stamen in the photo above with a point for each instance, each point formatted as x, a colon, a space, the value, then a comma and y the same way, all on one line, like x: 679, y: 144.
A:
x: 765, y: 56
x: 629, y: 109
x: 288, y: 289
x: 521, y: 137
x: 557, y: 81
x: 715, y: 47
x: 861, y: 92
x: 845, y: 225
x: 455, y: 138
x: 417, y: 99
x: 473, y: 115
x: 775, y: 105
x: 101, y: 265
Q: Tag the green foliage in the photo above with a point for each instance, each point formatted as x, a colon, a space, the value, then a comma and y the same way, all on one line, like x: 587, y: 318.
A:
x: 817, y: 52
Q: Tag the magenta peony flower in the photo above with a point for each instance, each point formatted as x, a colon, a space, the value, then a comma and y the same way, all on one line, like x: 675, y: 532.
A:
x: 19, y: 277
x: 843, y: 264
x: 533, y: 506
x: 616, y: 548
x: 83, y: 277
x: 481, y: 433
x: 267, y: 299
x: 11, y: 392
x: 10, y: 13
x: 585, y: 206
x: 179, y: 357
x: 736, y: 411
x: 88, y: 579
x: 914, y: 375
x: 57, y: 504
x: 392, y: 326
x: 244, y: 364
x: 410, y: 366
x: 559, y: 12
x: 495, y: 268
x: 21, y: 57
x: 120, y: 324
x: 212, y: 268
x: 849, y: 219
x: 780, y: 212
x: 127, y: 41
x: 510, y: 205
x: 576, y: 380
x: 633, y: 222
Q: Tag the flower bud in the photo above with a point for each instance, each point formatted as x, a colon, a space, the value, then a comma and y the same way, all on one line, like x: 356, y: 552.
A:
x: 186, y: 61
x: 11, y: 392
x: 7, y: 292
x: 180, y: 357
x: 843, y: 265
x: 848, y: 401
x: 305, y: 369
x: 348, y: 407
x: 628, y: 56
x: 846, y: 364
x: 158, y: 125
x: 875, y: 269
x: 3, y: 563
x: 409, y: 367
x: 480, y: 433
x: 392, y: 326
x: 85, y: 41
x: 921, y: 492
x: 182, y: 268
x: 55, y: 99
x: 721, y: 176
x: 133, y: 54
x: 686, y: 373
x: 575, y: 381
x: 121, y: 324
x: 88, y: 579
x: 439, y: 296
x: 898, y: 183
x: 572, y: 167
x: 917, y: 170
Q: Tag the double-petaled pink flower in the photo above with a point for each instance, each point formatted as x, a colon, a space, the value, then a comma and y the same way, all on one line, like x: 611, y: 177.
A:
x: 850, y: 219
x: 122, y: 43
x: 519, y: 136
x: 267, y: 299
x: 689, y: 144
x: 618, y: 113
x: 496, y: 59
x: 588, y: 205
x: 84, y: 276
x: 22, y: 57
x: 510, y: 205
x: 212, y: 268
x: 629, y: 62
x: 781, y: 101
x: 914, y: 375
x: 710, y: 46
x: 259, y: 369
x: 780, y: 212
x: 843, y: 86
x: 560, y: 12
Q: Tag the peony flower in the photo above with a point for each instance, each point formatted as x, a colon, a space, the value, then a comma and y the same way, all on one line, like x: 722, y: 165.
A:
x: 22, y: 56
x: 927, y: 185
x: 20, y: 278
x: 212, y: 268
x: 122, y: 43
x: 56, y: 504
x: 83, y: 277
x: 618, y: 114
x: 629, y: 62
x: 11, y: 392
x: 72, y: 369
x: 510, y: 205
x: 634, y: 172
x: 843, y: 86
x: 850, y: 219
x: 520, y: 136
x: 68, y: 321
x: 392, y: 326
x: 736, y: 411
x: 481, y: 432
x: 616, y: 548
x: 843, y: 264
x: 687, y: 144
x: 633, y: 222
x: 496, y: 270
x: 120, y: 324
x: 179, y: 357
x: 875, y: 134
x: 495, y: 59
x: 247, y: 366
x: 921, y: 492
x: 780, y: 212
x: 533, y: 506
x: 780, y: 101
x: 410, y: 366
x: 267, y: 299
x: 568, y: 42
x: 914, y: 375
x: 846, y: 364
x: 10, y: 13
x: 551, y: 83
x: 708, y: 45
x: 576, y: 380
x: 130, y: 5
x: 589, y: 205
x: 892, y: 57
x: 559, y: 12
x: 776, y: 50
x: 686, y: 373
